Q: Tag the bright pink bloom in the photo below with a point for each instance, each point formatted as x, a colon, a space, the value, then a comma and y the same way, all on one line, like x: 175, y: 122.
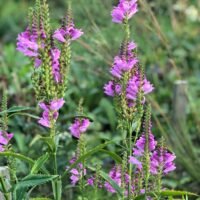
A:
x: 4, y: 139
x: 55, y: 54
x: 50, y: 111
x: 120, y: 65
x: 27, y: 44
x: 77, y: 172
x: 133, y: 87
x: 124, y: 10
x: 67, y: 33
x: 115, y: 175
x: 79, y: 126
x: 112, y: 89
x: 162, y: 159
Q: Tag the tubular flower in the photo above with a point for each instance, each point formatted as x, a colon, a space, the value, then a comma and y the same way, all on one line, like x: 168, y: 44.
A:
x: 77, y: 172
x: 115, y: 175
x: 138, y: 150
x: 68, y: 32
x: 4, y: 139
x: 162, y: 159
x: 79, y: 126
x: 111, y: 88
x: 124, y: 10
x: 27, y: 44
x: 55, y: 54
x: 126, y: 64
x: 120, y: 65
x: 50, y: 112
x: 133, y: 87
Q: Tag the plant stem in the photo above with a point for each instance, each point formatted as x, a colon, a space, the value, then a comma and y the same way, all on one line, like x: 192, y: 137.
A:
x: 130, y: 165
x: 6, y: 194
x: 56, y: 184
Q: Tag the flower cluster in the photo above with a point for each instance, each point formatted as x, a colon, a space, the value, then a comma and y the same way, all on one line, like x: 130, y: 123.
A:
x: 4, y: 139
x: 77, y: 173
x: 126, y: 64
x: 116, y: 175
x: 160, y: 158
x: 67, y: 32
x: 124, y: 10
x: 79, y: 126
x: 50, y: 112
x: 27, y: 43
x: 50, y: 51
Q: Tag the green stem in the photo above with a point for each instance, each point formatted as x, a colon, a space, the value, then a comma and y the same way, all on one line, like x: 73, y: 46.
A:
x: 5, y: 193
x: 130, y: 165
x: 57, y: 184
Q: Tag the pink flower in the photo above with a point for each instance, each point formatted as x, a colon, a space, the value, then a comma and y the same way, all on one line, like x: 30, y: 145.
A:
x: 136, y: 162
x: 4, y: 139
x: 55, y: 54
x: 115, y: 175
x: 133, y: 87
x: 68, y: 32
x: 162, y: 159
x: 50, y: 111
x: 111, y: 88
x: 79, y: 126
x: 27, y: 44
x: 125, y: 10
x: 76, y: 172
x: 120, y: 65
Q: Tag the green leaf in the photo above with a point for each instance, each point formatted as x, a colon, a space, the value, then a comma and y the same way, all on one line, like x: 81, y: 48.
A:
x: 176, y: 193
x: 48, y: 140
x: 113, y: 155
x: 88, y: 154
x: 34, y: 180
x: 167, y: 193
x: 40, y: 198
x: 15, y: 109
x: 17, y: 155
x: 30, y: 181
x: 57, y: 189
x: 39, y: 163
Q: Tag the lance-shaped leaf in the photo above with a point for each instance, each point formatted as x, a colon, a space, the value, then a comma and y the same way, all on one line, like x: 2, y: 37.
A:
x: 39, y: 163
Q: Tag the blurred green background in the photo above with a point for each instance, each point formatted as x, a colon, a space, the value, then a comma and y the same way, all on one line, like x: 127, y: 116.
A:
x: 167, y: 34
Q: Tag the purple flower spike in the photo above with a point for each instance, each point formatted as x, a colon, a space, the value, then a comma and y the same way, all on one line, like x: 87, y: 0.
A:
x: 125, y: 10
x: 4, y: 139
x: 162, y: 159
x: 79, y: 126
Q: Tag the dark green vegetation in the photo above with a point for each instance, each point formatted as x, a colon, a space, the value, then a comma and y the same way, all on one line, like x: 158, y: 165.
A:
x: 167, y: 34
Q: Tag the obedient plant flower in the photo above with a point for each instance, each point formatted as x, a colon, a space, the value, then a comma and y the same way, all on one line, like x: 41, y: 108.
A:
x: 115, y: 174
x: 133, y: 87
x: 138, y: 150
x: 55, y: 54
x: 50, y: 112
x: 79, y: 126
x: 69, y: 32
x: 112, y: 89
x: 28, y: 45
x: 126, y: 65
x: 162, y: 160
x: 124, y: 10
x: 4, y: 139
x: 77, y: 172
